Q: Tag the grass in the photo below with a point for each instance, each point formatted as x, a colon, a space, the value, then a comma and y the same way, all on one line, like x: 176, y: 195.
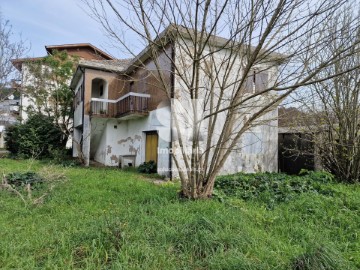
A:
x: 104, y: 218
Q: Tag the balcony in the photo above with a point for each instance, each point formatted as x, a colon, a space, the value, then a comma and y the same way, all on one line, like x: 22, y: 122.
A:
x: 130, y: 106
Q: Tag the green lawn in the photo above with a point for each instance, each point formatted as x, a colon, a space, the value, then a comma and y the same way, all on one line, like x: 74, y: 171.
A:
x: 109, y: 219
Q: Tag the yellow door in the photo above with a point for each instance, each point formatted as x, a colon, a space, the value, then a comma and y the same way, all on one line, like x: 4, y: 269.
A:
x: 151, y: 147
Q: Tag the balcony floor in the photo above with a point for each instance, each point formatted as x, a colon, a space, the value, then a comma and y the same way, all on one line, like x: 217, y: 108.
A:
x: 132, y: 115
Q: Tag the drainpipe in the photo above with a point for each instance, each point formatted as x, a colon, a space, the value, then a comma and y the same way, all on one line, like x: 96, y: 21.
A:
x: 83, y: 97
x: 172, y: 89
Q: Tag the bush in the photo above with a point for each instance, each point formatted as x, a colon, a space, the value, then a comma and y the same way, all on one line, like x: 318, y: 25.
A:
x: 148, y: 167
x: 271, y: 188
x: 32, y: 188
x: 18, y: 179
x: 318, y: 176
x: 37, y: 137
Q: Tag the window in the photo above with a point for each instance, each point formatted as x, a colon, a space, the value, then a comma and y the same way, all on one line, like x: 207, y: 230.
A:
x: 79, y: 95
x: 256, y: 81
x: 260, y: 81
x: 101, y: 92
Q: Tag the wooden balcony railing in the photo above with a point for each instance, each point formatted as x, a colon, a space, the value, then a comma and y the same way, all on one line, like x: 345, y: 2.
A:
x: 131, y: 103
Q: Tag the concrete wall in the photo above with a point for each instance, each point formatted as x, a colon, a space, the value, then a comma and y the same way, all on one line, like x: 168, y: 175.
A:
x: 128, y: 137
x: 109, y: 138
x: 78, y: 113
x: 106, y: 139
x: 257, y: 148
x: 2, y: 134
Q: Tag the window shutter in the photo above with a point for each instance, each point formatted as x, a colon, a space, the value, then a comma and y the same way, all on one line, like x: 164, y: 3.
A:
x: 249, y: 83
x: 261, y: 81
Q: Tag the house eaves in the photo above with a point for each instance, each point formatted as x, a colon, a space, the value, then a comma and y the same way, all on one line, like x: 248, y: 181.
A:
x: 17, y: 63
x: 106, y: 56
x: 115, y: 66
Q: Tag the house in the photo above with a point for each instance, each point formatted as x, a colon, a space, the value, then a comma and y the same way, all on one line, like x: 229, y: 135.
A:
x: 123, y: 115
x: 298, y: 133
x: 9, y: 110
x: 82, y: 50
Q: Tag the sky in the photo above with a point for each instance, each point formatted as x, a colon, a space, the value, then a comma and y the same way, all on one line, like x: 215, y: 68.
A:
x: 53, y: 22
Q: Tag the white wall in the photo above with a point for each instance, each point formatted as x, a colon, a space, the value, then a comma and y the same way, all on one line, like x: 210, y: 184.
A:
x: 78, y: 107
x: 257, y: 148
x: 128, y: 138
x: 2, y: 134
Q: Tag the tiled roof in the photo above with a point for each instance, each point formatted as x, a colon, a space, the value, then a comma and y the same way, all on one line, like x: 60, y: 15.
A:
x: 108, y: 65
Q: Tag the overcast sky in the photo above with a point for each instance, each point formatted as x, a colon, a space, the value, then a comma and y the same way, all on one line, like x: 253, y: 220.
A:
x: 53, y: 22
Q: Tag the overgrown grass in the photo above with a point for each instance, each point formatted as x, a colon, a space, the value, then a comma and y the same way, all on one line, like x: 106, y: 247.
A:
x: 109, y: 219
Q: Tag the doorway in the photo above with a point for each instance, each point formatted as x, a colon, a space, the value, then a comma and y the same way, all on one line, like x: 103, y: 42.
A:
x: 151, y: 146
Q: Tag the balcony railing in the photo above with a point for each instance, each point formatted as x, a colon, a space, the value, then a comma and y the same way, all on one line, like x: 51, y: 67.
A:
x: 129, y: 104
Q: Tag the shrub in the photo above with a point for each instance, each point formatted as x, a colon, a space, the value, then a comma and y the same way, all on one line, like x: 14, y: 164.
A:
x: 32, y: 188
x: 35, y: 138
x: 22, y: 179
x: 318, y: 176
x: 148, y: 167
x: 271, y: 188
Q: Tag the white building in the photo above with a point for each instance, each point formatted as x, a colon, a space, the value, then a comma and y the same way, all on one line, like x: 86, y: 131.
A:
x: 27, y: 101
x: 124, y: 116
x: 81, y: 50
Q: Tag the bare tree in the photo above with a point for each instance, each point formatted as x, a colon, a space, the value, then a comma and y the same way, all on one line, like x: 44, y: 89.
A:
x: 331, y: 108
x: 9, y: 49
x: 231, y: 84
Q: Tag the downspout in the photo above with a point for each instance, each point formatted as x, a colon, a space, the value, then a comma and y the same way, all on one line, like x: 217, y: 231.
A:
x: 21, y: 110
x: 172, y: 90
x: 83, y: 98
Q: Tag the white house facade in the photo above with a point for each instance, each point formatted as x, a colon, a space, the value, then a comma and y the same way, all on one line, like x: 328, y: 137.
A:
x: 124, y: 116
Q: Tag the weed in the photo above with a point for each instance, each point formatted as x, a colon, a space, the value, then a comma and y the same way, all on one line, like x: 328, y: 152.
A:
x: 147, y: 167
x: 272, y: 188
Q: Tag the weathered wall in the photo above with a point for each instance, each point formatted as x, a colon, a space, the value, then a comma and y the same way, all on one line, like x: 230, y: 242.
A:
x: 115, y: 85
x: 128, y: 138
x: 2, y: 135
x: 257, y: 148
x: 111, y: 137
x: 84, y: 53
x: 78, y: 112
x: 86, y: 137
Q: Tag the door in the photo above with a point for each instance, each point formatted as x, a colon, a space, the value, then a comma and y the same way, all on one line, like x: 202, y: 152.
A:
x: 151, y: 146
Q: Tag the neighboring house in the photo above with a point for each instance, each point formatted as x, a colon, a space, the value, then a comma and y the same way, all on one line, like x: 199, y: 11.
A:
x: 297, y: 147
x: 81, y: 50
x: 123, y: 118
x: 296, y: 151
x: 9, y: 110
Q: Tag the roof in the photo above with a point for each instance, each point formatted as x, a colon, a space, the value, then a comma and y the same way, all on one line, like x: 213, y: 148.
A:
x: 118, y: 65
x: 17, y: 63
x: 106, y: 56
x: 165, y: 37
x: 172, y: 31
